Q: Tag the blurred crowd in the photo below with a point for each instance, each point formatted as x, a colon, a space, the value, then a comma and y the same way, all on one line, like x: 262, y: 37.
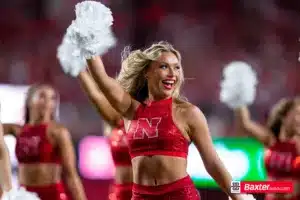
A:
x: 209, y: 34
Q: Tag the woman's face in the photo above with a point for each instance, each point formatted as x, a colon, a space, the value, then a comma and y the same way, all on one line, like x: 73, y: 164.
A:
x: 163, y: 75
x: 44, y: 100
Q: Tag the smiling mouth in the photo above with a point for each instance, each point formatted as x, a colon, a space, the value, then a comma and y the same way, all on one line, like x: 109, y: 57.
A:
x: 168, y: 84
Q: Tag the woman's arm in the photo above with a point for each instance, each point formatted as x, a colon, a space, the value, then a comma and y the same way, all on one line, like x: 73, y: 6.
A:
x: 5, y: 167
x: 104, y: 108
x: 11, y: 129
x: 70, y: 174
x: 115, y: 94
x: 252, y: 128
x: 200, y: 136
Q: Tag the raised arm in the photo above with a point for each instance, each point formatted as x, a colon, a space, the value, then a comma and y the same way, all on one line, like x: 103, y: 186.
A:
x: 200, y: 136
x: 104, y: 108
x: 260, y: 132
x: 5, y: 167
x: 115, y: 94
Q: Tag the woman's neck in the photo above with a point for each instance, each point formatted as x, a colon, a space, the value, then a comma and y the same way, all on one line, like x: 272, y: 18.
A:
x: 285, y: 135
x: 39, y: 119
x: 156, y: 98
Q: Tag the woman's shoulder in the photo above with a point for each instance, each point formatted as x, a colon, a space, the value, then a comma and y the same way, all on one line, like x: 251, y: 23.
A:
x: 186, y: 107
x: 56, y: 128
x: 183, y: 103
x: 13, y: 129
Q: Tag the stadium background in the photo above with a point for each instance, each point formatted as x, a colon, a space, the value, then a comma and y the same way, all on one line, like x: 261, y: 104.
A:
x: 209, y: 33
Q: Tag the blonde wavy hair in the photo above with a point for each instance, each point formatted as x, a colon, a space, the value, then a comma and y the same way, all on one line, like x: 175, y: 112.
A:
x: 134, y: 66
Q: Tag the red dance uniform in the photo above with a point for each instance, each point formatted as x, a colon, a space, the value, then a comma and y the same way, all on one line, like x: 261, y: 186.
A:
x: 281, y: 162
x: 182, y: 189
x: 33, y: 147
x: 153, y: 132
x: 120, y: 191
x: 119, y: 147
x: 121, y: 157
x: 49, y: 192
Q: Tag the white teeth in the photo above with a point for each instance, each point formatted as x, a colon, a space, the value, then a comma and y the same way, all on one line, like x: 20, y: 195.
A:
x: 169, y: 82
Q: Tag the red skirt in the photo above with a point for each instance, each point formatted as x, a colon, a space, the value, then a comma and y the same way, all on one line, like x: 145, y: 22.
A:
x: 49, y: 192
x: 276, y: 198
x: 182, y: 189
x: 120, y: 191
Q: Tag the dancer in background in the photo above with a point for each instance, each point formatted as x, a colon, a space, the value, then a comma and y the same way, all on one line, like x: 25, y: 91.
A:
x: 280, y: 135
x: 281, y: 138
x: 7, y: 192
x: 114, y: 130
x: 44, y: 148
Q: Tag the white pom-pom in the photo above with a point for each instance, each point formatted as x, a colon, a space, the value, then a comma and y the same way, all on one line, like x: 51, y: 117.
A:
x: 94, y: 11
x: 245, y: 197
x: 238, y: 70
x: 19, y: 194
x: 91, y: 31
x: 70, y: 58
x: 238, y: 88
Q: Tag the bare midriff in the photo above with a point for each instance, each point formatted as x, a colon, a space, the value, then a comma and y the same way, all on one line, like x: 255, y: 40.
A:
x: 39, y: 174
x: 158, y: 170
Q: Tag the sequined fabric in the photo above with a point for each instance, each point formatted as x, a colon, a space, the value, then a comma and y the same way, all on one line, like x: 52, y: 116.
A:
x: 120, y: 192
x: 183, y: 189
x: 33, y: 146
x: 119, y: 147
x: 270, y: 197
x: 49, y: 192
x: 281, y: 160
x: 153, y: 132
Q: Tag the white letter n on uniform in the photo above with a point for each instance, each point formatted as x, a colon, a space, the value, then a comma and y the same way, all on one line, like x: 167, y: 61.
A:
x: 147, y: 127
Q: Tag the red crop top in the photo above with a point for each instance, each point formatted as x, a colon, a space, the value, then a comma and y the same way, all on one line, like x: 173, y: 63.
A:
x: 119, y: 147
x: 153, y: 132
x: 282, y: 160
x: 33, y: 146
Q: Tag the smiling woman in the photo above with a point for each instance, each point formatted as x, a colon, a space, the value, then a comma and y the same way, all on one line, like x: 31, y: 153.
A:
x: 159, y: 123
x: 135, y: 75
